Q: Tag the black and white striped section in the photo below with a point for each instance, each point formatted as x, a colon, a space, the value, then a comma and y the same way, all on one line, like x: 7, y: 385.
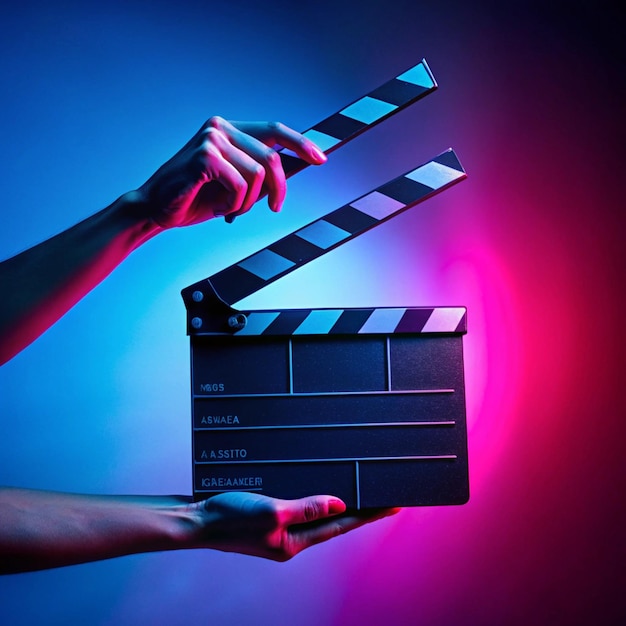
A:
x: 393, y: 96
x: 384, y: 320
x: 336, y: 130
x: 282, y: 257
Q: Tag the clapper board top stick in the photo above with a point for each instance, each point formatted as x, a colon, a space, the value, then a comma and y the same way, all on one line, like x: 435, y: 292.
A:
x: 365, y: 113
x: 367, y: 404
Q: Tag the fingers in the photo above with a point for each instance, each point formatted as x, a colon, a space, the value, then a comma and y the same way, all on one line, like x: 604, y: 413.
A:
x: 306, y: 522
x: 258, y: 525
x: 237, y: 159
x: 239, y: 165
x: 310, y: 509
x: 316, y: 519
x: 275, y: 133
x: 322, y: 522
x: 360, y: 518
x: 248, y: 147
x: 236, y: 170
x: 267, y: 158
x: 219, y: 167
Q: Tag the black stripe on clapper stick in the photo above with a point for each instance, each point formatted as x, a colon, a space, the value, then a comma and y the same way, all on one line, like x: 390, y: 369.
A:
x: 364, y: 113
x: 334, y: 229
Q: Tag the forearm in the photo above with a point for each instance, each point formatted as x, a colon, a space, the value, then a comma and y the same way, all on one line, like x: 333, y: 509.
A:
x: 40, y: 285
x: 41, y: 530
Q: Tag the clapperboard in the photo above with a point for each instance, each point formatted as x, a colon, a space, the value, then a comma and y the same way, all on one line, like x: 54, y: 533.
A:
x: 367, y: 404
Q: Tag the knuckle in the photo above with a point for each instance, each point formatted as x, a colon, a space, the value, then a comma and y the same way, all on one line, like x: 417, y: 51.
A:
x: 208, y: 141
x: 212, y: 135
x: 215, y: 121
x: 240, y: 187
x: 277, y: 127
x: 272, y: 158
x: 257, y: 171
x: 312, y: 510
x: 258, y: 174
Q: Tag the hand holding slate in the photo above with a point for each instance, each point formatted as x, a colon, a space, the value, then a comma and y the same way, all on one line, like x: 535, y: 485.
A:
x: 254, y: 524
x: 43, y: 529
x: 223, y: 170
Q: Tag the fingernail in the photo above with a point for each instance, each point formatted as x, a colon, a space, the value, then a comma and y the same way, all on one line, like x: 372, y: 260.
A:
x: 274, y: 206
x: 317, y: 154
x: 336, y: 506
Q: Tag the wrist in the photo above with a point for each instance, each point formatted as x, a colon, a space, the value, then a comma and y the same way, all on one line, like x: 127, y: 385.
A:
x: 203, y: 525
x: 185, y: 530
x: 160, y: 523
x: 132, y: 211
x: 169, y: 520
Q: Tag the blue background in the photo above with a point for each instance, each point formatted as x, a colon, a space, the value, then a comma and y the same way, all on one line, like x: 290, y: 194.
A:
x: 97, y: 96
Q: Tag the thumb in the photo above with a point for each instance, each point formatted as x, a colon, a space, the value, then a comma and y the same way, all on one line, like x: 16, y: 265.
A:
x: 311, y: 509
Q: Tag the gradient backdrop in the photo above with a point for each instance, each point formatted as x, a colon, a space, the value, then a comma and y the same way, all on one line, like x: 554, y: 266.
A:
x: 94, y: 98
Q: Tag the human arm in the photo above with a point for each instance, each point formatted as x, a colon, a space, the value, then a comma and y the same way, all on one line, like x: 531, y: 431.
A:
x: 41, y: 529
x: 223, y: 170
